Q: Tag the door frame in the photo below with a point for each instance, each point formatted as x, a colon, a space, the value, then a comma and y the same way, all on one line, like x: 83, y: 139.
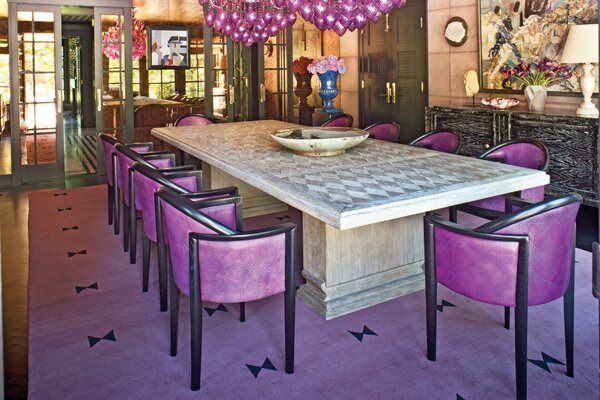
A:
x: 37, y: 172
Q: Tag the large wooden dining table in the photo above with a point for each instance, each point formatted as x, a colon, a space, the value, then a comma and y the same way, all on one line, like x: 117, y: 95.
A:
x: 362, y: 211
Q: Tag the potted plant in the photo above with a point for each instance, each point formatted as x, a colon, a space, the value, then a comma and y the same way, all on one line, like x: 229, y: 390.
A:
x: 537, y: 77
x: 328, y: 70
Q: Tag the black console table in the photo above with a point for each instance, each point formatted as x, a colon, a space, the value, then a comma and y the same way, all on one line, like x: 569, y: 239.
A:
x: 572, y: 141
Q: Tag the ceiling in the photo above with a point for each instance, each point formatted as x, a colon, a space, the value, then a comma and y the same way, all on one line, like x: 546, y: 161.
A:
x: 172, y: 12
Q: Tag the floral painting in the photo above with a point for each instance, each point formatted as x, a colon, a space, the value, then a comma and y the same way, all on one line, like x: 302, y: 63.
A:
x: 516, y: 31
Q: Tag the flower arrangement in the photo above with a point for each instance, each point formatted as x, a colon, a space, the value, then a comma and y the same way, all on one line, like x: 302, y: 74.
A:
x: 112, y: 38
x: 546, y: 72
x: 331, y: 63
x: 300, y: 66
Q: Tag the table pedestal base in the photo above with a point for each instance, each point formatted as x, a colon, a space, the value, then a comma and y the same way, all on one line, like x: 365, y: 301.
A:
x: 348, y: 270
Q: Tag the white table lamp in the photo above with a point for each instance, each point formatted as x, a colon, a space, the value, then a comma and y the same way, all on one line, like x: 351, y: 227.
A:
x: 582, y: 47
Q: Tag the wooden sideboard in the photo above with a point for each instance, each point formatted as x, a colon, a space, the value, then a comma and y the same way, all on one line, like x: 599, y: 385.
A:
x: 571, y: 140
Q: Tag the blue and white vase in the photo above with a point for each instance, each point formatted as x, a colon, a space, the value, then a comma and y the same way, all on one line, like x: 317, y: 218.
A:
x: 329, y: 90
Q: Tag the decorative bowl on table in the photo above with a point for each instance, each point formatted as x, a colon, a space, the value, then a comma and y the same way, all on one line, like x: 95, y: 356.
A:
x: 320, y: 141
x: 500, y: 102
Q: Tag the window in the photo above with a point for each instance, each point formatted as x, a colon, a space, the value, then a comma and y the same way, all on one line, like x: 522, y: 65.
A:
x: 194, y: 77
x: 161, y: 83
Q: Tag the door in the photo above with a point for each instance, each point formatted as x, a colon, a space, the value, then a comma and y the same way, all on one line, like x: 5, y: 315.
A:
x: 36, y: 109
x: 113, y: 75
x: 393, y: 70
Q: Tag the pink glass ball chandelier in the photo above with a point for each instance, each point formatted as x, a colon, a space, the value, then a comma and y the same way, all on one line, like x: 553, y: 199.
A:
x: 248, y: 21
x: 342, y: 15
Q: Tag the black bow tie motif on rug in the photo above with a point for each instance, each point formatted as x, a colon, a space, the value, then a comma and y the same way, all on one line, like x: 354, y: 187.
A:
x: 211, y: 311
x: 543, y: 363
x: 60, y: 194
x: 109, y: 336
x: 70, y: 254
x: 64, y: 209
x: 255, y: 369
x: 361, y: 335
x: 445, y: 303
x: 80, y: 289
x: 68, y: 228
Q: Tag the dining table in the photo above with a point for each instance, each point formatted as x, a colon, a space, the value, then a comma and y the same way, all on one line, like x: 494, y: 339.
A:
x: 362, y: 211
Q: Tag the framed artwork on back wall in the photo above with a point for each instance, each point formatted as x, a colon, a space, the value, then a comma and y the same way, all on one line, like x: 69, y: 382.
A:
x: 168, y: 47
x: 514, y: 31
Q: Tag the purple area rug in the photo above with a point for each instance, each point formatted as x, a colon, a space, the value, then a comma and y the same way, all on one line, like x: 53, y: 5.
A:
x: 93, y: 333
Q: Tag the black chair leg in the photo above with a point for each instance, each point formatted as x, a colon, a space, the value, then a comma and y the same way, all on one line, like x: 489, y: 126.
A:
x: 161, y: 250
x: 430, y: 293
x: 174, y: 308
x: 290, y: 328
x: 452, y: 214
x: 125, y: 228
x: 521, y: 351
x: 196, y: 338
x: 117, y: 208
x: 569, y: 312
x: 132, y: 234
x: 111, y: 207
x: 145, y: 262
x: 507, y: 317
x: 242, y: 312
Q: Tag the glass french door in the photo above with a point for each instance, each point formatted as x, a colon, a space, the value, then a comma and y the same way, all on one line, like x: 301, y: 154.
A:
x: 113, y: 75
x: 36, y: 93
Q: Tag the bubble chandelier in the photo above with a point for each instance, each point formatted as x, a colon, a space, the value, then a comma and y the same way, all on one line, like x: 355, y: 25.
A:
x: 342, y: 15
x: 248, y: 21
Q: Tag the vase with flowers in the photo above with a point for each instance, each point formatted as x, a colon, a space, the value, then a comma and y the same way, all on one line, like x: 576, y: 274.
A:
x: 303, y: 89
x: 537, y: 77
x: 328, y: 70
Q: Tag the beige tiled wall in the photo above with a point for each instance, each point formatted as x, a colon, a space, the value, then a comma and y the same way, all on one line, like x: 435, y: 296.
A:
x: 448, y: 64
x: 349, y: 81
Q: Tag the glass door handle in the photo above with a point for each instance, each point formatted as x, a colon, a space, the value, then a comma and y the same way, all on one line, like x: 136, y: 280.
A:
x: 388, y: 91
x: 394, y: 92
x: 98, y: 100
x: 263, y: 93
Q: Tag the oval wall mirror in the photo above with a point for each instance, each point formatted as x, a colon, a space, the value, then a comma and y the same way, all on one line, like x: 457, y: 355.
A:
x: 456, y: 31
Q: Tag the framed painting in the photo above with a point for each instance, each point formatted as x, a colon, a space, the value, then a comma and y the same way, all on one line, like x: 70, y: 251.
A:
x: 168, y: 47
x: 514, y: 31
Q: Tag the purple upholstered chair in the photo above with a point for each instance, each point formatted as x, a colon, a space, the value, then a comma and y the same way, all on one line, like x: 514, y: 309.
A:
x: 213, y: 260
x: 193, y: 119
x: 146, y: 181
x: 108, y: 146
x: 388, y: 130
x: 125, y: 157
x: 517, y: 260
x: 524, y: 152
x: 596, y: 270
x: 444, y: 140
x: 342, y: 121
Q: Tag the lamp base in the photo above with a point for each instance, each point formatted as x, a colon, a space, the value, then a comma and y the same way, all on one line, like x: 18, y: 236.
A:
x: 587, y: 83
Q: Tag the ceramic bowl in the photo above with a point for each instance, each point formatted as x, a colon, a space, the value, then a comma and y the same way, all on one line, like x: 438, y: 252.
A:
x: 500, y: 102
x: 320, y: 141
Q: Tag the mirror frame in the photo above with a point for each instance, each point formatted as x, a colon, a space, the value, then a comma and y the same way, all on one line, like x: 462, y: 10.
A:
x: 464, y: 38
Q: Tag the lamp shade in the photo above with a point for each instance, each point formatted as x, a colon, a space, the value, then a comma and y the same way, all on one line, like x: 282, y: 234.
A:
x: 581, y: 45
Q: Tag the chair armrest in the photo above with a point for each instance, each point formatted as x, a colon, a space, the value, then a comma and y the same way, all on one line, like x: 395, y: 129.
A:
x: 422, y: 145
x: 512, y: 201
x: 158, y: 157
x: 224, y: 191
x: 494, y: 159
x: 247, y: 235
x: 177, y: 168
x: 149, y: 145
x: 155, y: 152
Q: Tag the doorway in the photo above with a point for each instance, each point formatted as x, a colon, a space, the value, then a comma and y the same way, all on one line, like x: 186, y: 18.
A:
x: 393, y: 70
x: 54, y: 69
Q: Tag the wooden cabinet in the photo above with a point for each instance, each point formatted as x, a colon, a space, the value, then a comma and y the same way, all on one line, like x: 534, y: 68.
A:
x: 572, y: 141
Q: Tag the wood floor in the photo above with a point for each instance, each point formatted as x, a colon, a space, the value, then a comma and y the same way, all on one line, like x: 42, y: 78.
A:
x: 14, y: 211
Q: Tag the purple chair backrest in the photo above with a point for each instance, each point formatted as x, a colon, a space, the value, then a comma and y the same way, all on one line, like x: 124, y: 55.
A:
x: 193, y: 119
x: 145, y: 187
x: 179, y: 225
x: 526, y: 154
x: 388, y: 131
x: 108, y: 145
x: 343, y: 121
x: 444, y: 140
x: 486, y: 270
x: 125, y: 159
